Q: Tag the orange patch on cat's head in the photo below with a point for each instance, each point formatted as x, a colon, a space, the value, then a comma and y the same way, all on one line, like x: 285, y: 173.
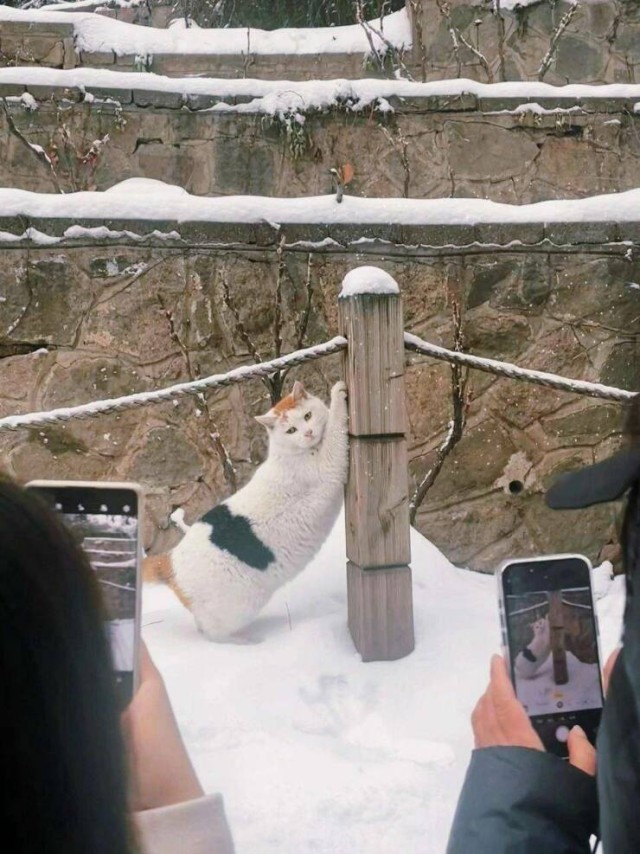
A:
x: 285, y: 404
x: 291, y: 400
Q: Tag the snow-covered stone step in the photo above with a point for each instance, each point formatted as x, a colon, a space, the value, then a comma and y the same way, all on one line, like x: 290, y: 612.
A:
x: 287, y: 96
x: 509, y: 142
x: 63, y: 39
x: 141, y: 211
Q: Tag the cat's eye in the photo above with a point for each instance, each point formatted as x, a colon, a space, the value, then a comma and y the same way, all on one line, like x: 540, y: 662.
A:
x: 307, y: 416
x: 292, y: 430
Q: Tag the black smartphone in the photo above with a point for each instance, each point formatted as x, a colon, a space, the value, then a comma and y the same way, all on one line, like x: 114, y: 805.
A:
x: 550, y: 636
x: 105, y: 520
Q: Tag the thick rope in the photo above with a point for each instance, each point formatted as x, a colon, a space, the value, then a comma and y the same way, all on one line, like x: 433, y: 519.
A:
x: 506, y: 369
x: 148, y: 398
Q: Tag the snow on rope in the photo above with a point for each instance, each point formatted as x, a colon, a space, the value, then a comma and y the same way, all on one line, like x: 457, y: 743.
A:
x: 148, y: 398
x: 506, y: 369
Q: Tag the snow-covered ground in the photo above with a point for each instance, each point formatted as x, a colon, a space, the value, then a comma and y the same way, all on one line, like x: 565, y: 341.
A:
x: 315, y: 751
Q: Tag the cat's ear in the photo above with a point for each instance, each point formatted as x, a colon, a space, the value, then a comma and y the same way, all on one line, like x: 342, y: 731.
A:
x: 268, y: 420
x: 298, y: 392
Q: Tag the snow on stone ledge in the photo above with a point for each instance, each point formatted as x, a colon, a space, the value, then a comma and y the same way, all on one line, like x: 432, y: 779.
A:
x: 148, y: 199
x: 97, y: 34
x: 368, y: 280
x: 309, y: 94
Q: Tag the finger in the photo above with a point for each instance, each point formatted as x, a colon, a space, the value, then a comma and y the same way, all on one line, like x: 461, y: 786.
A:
x: 582, y: 754
x: 501, y: 687
x: 511, y: 717
x: 508, y: 708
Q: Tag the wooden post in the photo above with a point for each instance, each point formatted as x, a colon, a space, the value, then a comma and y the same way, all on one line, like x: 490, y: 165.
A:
x: 377, y: 492
x: 556, y: 625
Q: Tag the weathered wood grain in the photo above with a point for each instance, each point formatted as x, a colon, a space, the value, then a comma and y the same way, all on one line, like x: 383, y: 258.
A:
x: 381, y: 612
x: 377, y: 502
x: 557, y: 627
x: 374, y: 363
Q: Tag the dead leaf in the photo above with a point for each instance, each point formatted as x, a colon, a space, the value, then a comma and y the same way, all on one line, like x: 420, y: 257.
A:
x: 346, y: 173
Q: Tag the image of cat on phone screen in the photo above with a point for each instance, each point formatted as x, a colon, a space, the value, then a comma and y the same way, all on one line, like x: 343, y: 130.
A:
x: 553, y: 650
x: 232, y: 560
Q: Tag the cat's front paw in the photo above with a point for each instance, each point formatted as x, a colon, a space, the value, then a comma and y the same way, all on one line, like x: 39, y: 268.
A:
x: 339, y: 392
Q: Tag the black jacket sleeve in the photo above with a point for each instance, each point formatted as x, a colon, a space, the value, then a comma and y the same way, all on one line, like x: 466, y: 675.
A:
x: 520, y: 801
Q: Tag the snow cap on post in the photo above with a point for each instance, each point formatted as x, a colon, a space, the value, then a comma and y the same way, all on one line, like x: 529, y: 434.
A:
x: 368, y: 280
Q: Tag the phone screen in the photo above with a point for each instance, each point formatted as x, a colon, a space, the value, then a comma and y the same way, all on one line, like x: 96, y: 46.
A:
x: 104, y: 520
x: 551, y: 635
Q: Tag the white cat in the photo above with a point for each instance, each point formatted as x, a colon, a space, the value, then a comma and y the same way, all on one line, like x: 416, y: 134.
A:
x: 533, y: 656
x: 232, y: 560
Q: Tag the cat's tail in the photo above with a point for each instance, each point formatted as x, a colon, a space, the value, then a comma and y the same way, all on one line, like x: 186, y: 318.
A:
x: 159, y: 569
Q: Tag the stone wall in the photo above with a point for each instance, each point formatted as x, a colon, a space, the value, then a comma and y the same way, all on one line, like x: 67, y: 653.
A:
x: 469, y: 38
x: 459, y: 38
x: 36, y: 43
x: 88, y: 318
x: 86, y: 322
x: 492, y: 147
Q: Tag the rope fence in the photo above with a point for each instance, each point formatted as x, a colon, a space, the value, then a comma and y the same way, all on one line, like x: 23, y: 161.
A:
x: 149, y: 398
x: 336, y: 345
x: 506, y: 369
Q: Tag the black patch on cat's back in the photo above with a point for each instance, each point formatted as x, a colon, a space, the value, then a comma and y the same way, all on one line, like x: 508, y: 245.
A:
x: 526, y: 653
x: 235, y: 535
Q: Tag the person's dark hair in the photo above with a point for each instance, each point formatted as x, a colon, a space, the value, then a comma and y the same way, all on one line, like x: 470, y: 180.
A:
x: 62, y: 753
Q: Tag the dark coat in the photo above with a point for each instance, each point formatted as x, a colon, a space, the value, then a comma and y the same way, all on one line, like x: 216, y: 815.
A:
x: 520, y: 801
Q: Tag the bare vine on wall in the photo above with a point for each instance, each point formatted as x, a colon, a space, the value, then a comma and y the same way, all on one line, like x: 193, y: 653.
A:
x: 460, y: 41
x: 416, y: 12
x: 555, y: 38
x: 36, y: 150
x: 459, y: 406
x: 70, y: 154
x: 274, y: 382
x: 390, y: 58
x: 193, y: 371
x: 457, y: 39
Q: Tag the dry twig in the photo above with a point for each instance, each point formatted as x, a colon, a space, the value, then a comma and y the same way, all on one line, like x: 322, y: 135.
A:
x: 460, y: 404
x: 38, y: 150
x: 228, y: 469
x: 555, y: 38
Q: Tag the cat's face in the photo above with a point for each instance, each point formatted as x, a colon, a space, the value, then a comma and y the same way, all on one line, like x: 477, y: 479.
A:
x: 540, y: 626
x: 296, y: 424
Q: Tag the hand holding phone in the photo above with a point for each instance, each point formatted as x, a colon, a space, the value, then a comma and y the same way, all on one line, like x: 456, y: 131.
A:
x: 104, y: 518
x: 499, y: 720
x: 550, y: 637
x: 161, y: 772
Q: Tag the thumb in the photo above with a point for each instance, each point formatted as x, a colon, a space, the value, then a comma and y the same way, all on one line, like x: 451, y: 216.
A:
x: 582, y: 754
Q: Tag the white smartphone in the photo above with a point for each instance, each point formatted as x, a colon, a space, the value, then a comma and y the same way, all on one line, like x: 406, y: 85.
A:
x: 550, y: 637
x: 105, y: 520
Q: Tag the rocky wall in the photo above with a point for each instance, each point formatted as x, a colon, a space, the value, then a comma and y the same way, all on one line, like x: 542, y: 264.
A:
x: 595, y: 42
x: 99, y: 321
x: 36, y: 43
x: 557, y: 41
x: 498, y: 148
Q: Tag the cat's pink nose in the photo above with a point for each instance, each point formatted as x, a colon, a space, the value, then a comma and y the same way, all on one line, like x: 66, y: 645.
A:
x: 309, y: 434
